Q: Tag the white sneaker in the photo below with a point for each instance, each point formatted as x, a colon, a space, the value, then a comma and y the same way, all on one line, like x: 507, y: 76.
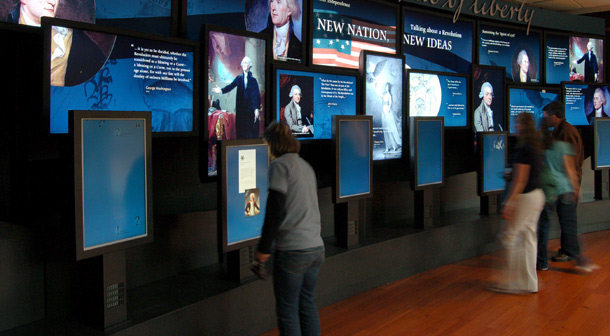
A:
x: 588, y: 268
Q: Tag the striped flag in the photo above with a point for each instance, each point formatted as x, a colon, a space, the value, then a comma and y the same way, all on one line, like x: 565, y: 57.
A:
x: 338, y: 40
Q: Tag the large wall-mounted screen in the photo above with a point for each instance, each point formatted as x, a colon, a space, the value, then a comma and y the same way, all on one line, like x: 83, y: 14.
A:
x: 574, y: 58
x: 342, y: 29
x: 513, y: 49
x: 307, y: 100
x: 488, y: 98
x: 19, y: 12
x: 529, y: 100
x: 235, y: 89
x: 244, y: 190
x: 151, y: 17
x: 382, y: 76
x: 283, y: 21
x: 586, y: 102
x: 434, y: 42
x: 133, y: 15
x: 87, y: 68
x: 113, y: 182
x: 433, y: 94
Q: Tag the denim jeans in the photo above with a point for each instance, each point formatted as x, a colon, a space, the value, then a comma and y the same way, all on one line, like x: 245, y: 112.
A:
x: 295, y: 274
x: 566, y: 213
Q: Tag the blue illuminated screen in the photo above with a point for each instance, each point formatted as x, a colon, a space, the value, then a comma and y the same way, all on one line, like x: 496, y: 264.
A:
x: 384, y: 91
x: 602, y: 144
x: 583, y: 102
x: 435, y: 95
x: 343, y: 29
x: 107, y: 72
x: 568, y: 58
x: 429, y: 152
x: 322, y: 96
x: 244, y: 220
x: 494, y: 161
x: 530, y: 101
x: 513, y: 49
x: 253, y: 16
x: 355, y: 168
x: 114, y: 181
x: 432, y: 42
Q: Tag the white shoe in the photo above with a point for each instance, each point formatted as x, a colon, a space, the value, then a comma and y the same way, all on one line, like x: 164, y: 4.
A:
x: 588, y: 268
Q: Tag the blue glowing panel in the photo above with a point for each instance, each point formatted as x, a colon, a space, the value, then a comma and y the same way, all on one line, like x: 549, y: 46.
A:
x: 108, y: 72
x: 114, y: 181
x: 355, y: 158
x: 432, y: 42
x: 432, y: 95
x: 584, y: 102
x: 322, y: 96
x: 505, y: 47
x: 494, y: 161
x: 568, y: 58
x: 483, y: 79
x: 602, y: 144
x: 429, y: 152
x: 342, y: 29
x: 529, y: 101
x: 244, y: 221
x: 253, y: 16
x: 384, y: 102
x: 120, y: 9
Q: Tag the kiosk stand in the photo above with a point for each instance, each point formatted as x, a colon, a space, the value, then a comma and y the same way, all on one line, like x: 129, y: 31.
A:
x: 427, y: 213
x: 427, y: 151
x: 489, y: 205
x: 237, y: 264
x: 491, y: 181
x: 348, y: 223
x: 602, y: 185
x: 353, y: 147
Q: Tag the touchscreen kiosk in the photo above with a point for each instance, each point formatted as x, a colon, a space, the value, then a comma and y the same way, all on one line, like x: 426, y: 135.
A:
x: 113, y: 182
x: 243, y: 192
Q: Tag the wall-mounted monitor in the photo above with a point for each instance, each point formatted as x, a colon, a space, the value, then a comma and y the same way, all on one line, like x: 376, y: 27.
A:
x: 572, y: 57
x: 133, y: 15
x: 529, y: 100
x: 432, y: 94
x: 488, y: 98
x: 340, y: 30
x: 494, y: 154
x: 427, y: 144
x: 306, y: 100
x: 352, y: 140
x: 14, y: 11
x: 149, y: 17
x: 87, y: 67
x: 432, y: 41
x: 586, y: 102
x: 282, y: 21
x: 601, y: 151
x: 235, y: 68
x: 243, y: 192
x: 513, y: 49
x: 382, y: 76
x: 113, y: 180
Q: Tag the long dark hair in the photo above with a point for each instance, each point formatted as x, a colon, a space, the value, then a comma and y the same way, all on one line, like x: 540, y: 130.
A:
x: 527, y: 132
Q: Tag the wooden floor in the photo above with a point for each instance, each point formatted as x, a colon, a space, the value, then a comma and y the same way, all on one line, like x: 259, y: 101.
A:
x: 454, y: 300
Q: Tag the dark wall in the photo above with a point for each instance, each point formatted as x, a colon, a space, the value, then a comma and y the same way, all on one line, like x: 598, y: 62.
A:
x: 36, y: 194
